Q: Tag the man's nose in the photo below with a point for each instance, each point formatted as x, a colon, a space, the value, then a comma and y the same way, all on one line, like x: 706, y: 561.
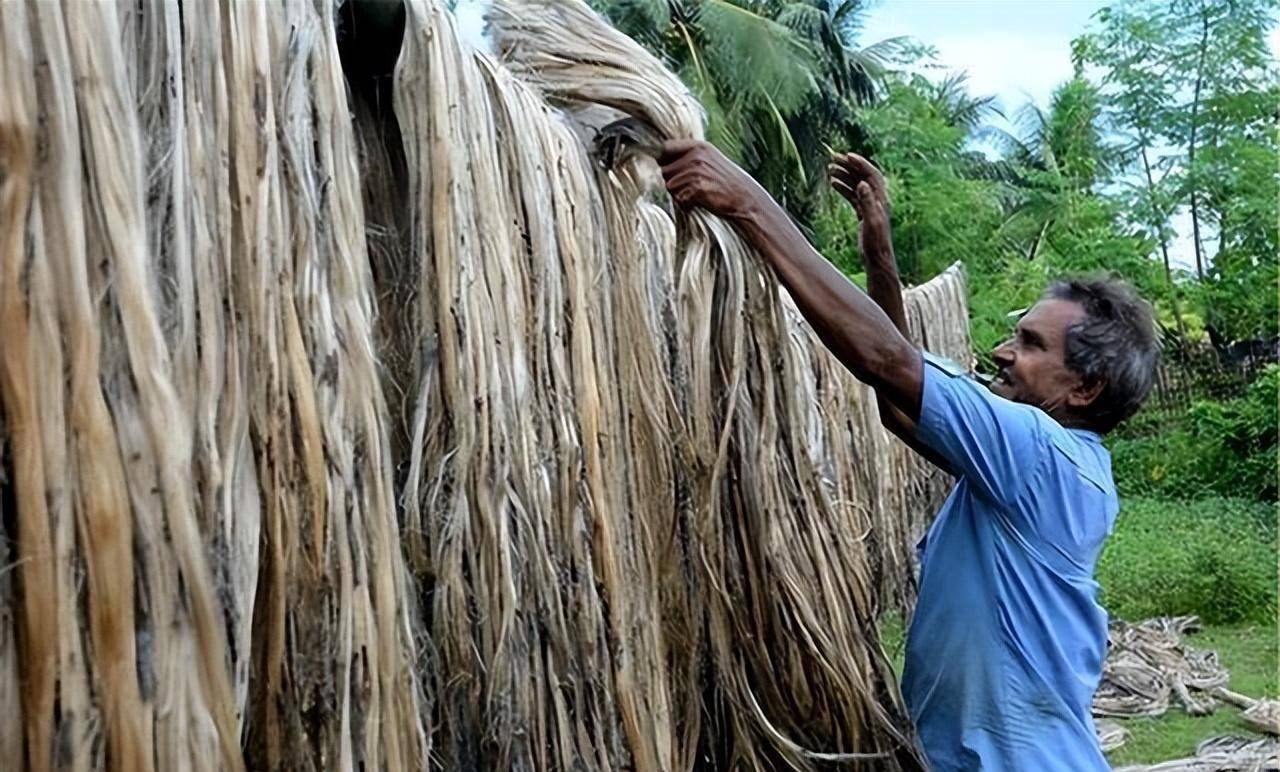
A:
x: 1003, y: 354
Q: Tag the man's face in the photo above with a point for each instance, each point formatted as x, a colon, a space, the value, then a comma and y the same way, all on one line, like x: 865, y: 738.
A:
x: 1032, y: 365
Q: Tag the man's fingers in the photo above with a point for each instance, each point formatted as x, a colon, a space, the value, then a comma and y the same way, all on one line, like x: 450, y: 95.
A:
x: 676, y: 165
x: 851, y: 195
x: 674, y: 149
x: 682, y: 186
x: 838, y: 173
x: 855, y: 168
x: 850, y: 177
x: 859, y: 165
x: 838, y: 170
x: 841, y: 188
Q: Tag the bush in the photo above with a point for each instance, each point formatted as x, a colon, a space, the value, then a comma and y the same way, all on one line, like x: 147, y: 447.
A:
x: 1213, y: 557
x: 1225, y: 448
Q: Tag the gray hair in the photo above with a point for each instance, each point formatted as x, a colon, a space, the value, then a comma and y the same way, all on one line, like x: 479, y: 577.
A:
x: 1115, y: 344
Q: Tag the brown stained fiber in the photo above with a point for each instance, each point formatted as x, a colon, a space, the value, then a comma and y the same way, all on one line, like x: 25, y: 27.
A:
x: 37, y: 620
x: 342, y: 438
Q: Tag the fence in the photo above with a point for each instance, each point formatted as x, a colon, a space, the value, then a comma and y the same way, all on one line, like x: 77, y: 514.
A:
x: 1188, y: 374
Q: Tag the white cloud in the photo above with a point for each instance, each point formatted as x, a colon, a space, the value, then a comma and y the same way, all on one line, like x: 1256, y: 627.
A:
x: 1013, y: 69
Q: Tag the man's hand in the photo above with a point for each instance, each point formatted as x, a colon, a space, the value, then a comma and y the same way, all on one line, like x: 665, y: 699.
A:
x: 699, y: 175
x: 862, y: 184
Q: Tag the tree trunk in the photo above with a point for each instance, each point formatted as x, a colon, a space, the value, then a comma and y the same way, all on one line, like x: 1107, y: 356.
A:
x: 1164, y: 243
x: 1191, y: 144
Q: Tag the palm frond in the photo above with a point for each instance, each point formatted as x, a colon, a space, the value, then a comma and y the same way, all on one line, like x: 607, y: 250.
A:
x: 806, y: 20
x: 976, y: 166
x: 755, y: 56
x: 847, y: 18
x: 788, y: 141
x: 1032, y: 126
x: 958, y: 107
x: 644, y: 20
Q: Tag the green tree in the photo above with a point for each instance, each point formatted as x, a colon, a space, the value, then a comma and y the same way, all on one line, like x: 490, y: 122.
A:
x: 779, y: 79
x: 1060, y: 154
x: 1192, y: 87
x: 1128, y: 47
x: 940, y: 214
x: 1232, y: 171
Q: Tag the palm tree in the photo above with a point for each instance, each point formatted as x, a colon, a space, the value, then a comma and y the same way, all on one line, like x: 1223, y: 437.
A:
x: 779, y: 78
x: 1061, y: 155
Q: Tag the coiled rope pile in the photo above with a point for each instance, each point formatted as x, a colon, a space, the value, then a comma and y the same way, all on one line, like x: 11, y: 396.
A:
x: 1149, y: 666
x: 491, y: 464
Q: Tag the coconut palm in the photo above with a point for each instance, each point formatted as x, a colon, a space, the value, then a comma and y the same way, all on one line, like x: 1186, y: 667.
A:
x: 1061, y: 155
x: 779, y: 78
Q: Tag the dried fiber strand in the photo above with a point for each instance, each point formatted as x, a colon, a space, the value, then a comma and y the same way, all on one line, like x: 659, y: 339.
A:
x: 196, y: 382
x: 386, y: 430
x: 1222, y: 754
x: 568, y: 53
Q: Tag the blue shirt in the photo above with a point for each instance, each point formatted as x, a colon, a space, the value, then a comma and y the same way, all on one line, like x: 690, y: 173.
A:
x: 1006, y: 646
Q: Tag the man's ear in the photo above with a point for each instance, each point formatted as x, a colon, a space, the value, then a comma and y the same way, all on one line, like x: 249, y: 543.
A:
x: 1085, y: 392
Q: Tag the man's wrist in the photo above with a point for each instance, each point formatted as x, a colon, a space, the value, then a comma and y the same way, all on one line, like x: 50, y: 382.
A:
x: 751, y: 212
x: 877, y: 261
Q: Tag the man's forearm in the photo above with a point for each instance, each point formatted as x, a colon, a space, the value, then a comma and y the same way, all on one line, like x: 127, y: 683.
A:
x: 884, y: 285
x: 849, y: 323
x: 885, y: 288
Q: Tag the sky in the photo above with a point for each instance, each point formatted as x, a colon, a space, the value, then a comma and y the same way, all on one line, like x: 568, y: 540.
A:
x: 1015, y: 50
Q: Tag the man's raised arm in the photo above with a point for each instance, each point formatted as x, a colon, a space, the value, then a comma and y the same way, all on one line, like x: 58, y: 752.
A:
x: 862, y: 184
x: 851, y: 325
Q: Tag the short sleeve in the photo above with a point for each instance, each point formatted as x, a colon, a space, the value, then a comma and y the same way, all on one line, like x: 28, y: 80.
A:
x: 990, y: 441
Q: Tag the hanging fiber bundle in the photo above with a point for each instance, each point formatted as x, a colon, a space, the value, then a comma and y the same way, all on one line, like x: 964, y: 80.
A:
x: 373, y: 424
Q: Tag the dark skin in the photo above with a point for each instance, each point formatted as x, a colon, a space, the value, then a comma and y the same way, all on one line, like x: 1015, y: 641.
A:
x: 868, y: 333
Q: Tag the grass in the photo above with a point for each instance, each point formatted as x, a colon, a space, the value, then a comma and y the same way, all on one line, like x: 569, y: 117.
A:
x: 1250, y: 654
x: 893, y: 636
x: 1214, y: 557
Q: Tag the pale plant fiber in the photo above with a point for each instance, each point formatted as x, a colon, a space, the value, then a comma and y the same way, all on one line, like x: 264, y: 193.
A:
x: 522, y: 473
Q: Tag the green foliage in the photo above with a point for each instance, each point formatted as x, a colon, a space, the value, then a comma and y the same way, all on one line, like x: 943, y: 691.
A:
x: 1226, y: 448
x: 1212, y: 557
x: 1192, y: 87
x: 1239, y: 177
x: 939, y: 215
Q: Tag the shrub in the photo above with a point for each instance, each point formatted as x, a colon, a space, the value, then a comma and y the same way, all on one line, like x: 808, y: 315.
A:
x: 1225, y: 448
x: 1214, y: 557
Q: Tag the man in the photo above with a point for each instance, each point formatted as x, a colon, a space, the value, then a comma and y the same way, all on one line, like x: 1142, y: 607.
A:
x: 1006, y: 646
